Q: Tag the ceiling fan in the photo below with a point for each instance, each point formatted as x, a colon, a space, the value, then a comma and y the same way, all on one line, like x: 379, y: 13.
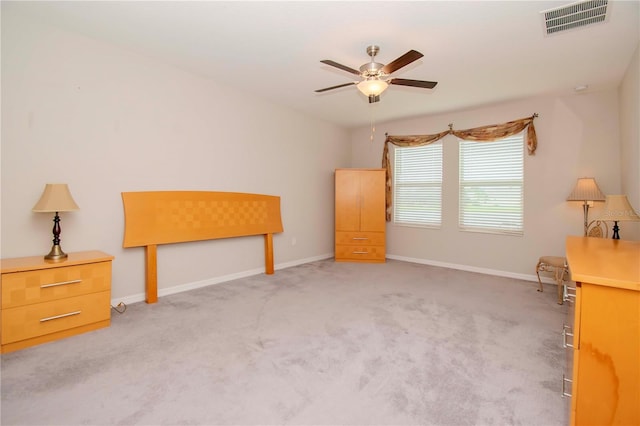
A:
x: 375, y: 76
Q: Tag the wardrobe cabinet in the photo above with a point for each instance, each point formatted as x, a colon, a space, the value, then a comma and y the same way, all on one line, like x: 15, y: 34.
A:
x: 605, y: 344
x: 360, y: 215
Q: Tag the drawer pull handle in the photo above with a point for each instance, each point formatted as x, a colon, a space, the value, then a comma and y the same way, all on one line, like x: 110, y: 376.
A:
x: 60, y: 316
x: 60, y: 283
x: 360, y: 252
x: 359, y: 238
x: 568, y: 296
x: 565, y: 333
x: 565, y: 380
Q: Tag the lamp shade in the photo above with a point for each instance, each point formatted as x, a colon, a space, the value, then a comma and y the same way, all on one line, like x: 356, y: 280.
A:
x: 586, y: 189
x: 617, y: 208
x: 55, y: 198
x: 372, y: 87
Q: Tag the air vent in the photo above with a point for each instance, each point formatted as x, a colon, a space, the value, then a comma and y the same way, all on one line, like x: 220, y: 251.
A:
x: 575, y: 15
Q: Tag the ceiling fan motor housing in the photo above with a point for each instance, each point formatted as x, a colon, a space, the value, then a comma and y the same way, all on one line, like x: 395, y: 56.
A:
x: 372, y: 69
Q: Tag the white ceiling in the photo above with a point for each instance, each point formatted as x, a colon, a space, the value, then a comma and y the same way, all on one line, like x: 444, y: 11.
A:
x: 479, y: 52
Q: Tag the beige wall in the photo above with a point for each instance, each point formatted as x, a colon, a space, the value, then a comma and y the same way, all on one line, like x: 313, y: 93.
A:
x: 630, y: 140
x: 578, y: 135
x: 106, y: 120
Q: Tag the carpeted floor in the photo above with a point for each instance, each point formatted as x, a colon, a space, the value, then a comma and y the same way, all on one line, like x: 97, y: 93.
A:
x: 322, y: 343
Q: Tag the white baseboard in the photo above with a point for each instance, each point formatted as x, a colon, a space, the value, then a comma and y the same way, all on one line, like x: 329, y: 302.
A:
x: 303, y: 261
x: 486, y: 271
x: 140, y: 297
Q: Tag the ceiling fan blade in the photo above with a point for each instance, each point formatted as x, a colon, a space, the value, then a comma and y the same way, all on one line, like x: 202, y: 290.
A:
x: 342, y: 67
x: 335, y: 87
x: 402, y: 61
x: 413, y: 83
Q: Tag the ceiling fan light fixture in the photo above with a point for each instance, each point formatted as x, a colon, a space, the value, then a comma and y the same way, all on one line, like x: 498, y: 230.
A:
x: 372, y: 87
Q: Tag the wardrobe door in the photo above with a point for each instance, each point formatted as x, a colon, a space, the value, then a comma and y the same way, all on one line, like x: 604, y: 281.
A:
x: 347, y: 200
x: 372, y: 205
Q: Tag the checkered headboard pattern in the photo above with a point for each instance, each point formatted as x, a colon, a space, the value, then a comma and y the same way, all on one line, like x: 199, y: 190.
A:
x: 163, y: 217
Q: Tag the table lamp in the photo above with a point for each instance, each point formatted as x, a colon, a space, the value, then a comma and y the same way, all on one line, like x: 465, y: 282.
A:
x: 587, y: 191
x: 56, y: 198
x: 617, y: 208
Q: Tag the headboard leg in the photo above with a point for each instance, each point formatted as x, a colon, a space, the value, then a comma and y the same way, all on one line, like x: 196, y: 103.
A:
x: 268, y: 254
x: 151, y: 267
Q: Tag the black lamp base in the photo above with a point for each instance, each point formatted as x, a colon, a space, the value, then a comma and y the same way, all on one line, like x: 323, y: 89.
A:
x: 616, y: 236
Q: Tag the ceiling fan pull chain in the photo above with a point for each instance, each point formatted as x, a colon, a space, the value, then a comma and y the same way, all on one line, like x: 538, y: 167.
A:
x: 373, y: 122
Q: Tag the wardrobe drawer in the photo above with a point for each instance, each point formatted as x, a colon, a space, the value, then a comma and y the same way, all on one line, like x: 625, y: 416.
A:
x: 30, y: 321
x: 360, y: 238
x: 36, y: 286
x: 361, y: 253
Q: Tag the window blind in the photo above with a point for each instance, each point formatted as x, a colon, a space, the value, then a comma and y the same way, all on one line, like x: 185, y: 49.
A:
x: 492, y: 185
x: 418, y: 185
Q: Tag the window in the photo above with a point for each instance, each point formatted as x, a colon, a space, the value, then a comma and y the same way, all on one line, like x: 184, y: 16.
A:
x: 491, y: 185
x: 418, y: 185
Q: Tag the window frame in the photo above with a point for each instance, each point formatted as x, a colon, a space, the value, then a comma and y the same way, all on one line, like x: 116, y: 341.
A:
x: 507, y: 185
x: 432, y: 187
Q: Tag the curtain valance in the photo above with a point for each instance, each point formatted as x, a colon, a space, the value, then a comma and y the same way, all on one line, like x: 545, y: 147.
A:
x: 481, y: 134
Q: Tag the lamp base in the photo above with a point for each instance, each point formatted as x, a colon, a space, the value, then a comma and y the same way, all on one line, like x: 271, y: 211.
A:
x: 616, y: 228
x: 56, y: 253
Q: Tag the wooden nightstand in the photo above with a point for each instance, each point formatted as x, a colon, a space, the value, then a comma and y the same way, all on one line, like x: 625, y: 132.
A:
x: 42, y: 301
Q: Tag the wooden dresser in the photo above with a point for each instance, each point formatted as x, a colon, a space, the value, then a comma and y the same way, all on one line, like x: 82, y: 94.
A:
x: 360, y: 215
x: 43, y: 300
x: 605, y: 331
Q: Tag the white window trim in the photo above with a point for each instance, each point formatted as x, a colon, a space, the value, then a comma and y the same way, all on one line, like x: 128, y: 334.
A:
x: 513, y: 177
x: 434, y: 153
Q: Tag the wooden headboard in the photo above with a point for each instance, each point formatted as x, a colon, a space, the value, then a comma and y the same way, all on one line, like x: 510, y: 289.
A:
x: 166, y: 217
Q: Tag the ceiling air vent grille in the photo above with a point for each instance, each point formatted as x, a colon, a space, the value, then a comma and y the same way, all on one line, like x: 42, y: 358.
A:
x: 574, y: 15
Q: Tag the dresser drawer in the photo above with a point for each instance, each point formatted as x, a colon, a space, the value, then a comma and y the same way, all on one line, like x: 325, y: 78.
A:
x: 30, y: 321
x: 360, y: 253
x: 360, y: 238
x: 29, y: 287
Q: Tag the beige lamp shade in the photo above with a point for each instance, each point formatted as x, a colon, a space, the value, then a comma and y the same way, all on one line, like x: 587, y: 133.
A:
x: 55, y: 198
x: 617, y: 208
x: 586, y: 189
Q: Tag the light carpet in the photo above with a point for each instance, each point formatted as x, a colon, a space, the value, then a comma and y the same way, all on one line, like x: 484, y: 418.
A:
x: 322, y: 343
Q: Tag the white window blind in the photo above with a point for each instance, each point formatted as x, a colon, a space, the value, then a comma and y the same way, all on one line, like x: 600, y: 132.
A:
x: 492, y: 185
x: 418, y: 185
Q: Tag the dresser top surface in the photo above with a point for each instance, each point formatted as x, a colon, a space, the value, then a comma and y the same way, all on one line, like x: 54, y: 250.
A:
x: 31, y: 263
x: 607, y: 262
